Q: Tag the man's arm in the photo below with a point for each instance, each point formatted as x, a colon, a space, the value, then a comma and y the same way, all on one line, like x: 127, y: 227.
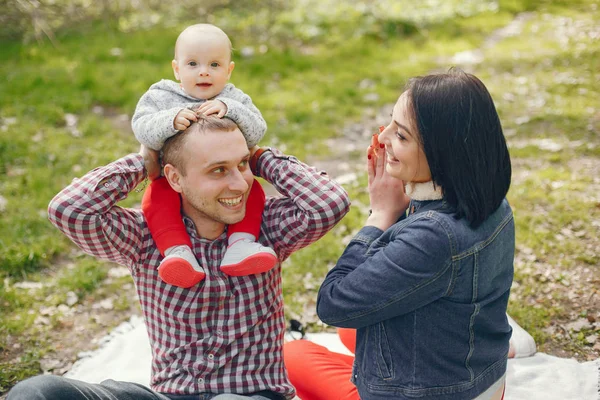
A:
x: 151, y: 124
x: 86, y: 213
x: 244, y: 113
x: 312, y: 203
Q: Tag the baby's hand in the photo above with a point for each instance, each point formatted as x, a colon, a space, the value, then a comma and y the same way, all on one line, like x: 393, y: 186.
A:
x: 213, y: 107
x: 183, y: 119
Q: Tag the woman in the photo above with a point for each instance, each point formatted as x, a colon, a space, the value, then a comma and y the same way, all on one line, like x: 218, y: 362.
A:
x: 426, y: 281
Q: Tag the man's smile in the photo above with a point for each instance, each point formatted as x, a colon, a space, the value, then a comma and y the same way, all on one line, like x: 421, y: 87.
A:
x: 231, y: 202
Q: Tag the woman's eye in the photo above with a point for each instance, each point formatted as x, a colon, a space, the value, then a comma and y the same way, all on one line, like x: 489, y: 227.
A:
x: 400, y: 135
x: 244, y: 164
x: 219, y: 170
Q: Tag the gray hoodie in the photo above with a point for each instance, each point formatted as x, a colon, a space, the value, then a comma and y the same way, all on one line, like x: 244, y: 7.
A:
x: 152, y: 122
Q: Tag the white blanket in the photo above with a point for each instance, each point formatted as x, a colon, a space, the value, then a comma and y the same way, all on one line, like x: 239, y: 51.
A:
x: 125, y: 356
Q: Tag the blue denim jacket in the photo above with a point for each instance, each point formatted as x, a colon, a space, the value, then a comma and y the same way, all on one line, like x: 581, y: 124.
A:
x: 428, y: 298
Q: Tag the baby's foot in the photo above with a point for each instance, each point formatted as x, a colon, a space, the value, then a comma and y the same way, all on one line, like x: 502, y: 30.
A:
x: 245, y: 257
x: 180, y: 267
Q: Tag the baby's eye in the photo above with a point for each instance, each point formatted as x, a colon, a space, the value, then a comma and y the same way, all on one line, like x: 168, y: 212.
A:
x: 192, y: 63
x: 214, y: 64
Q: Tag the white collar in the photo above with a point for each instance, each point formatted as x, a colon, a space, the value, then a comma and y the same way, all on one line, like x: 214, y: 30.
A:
x: 423, y: 191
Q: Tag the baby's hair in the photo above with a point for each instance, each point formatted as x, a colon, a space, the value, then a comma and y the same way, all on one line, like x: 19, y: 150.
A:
x: 203, y: 29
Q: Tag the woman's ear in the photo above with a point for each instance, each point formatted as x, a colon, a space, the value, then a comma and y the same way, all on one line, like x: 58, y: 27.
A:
x: 173, y: 177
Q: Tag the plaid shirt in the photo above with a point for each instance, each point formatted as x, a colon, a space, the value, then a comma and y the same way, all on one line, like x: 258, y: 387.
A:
x: 226, y: 333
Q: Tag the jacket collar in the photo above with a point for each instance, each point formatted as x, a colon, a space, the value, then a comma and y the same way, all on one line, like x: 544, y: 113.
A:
x: 422, y: 191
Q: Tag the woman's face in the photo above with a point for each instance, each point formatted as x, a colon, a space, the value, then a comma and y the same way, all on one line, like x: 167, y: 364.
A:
x: 405, y: 157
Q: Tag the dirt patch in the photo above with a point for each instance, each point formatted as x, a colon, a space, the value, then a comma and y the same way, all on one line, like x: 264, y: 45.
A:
x: 67, y: 331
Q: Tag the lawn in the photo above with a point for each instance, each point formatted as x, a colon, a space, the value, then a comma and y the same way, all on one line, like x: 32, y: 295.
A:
x: 314, y: 73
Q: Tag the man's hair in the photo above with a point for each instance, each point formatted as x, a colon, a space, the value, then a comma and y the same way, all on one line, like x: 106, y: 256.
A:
x: 461, y: 136
x: 173, y: 149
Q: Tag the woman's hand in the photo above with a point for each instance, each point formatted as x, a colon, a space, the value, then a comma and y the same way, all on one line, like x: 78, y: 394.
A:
x: 388, y: 199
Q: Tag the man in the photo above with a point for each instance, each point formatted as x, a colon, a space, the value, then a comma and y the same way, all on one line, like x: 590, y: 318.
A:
x: 221, y: 338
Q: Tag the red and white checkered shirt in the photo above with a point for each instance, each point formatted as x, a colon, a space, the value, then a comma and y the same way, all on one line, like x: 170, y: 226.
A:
x: 224, y: 335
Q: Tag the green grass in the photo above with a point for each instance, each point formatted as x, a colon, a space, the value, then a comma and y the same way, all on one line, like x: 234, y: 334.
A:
x: 305, y: 97
x: 308, y: 90
x: 554, y: 83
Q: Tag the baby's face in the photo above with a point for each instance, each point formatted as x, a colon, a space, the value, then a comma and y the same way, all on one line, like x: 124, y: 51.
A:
x: 203, y: 65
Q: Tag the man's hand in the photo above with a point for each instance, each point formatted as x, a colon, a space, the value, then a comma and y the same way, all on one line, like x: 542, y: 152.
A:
x: 151, y: 162
x: 213, y: 107
x: 184, y: 119
x: 253, y: 150
x: 252, y: 160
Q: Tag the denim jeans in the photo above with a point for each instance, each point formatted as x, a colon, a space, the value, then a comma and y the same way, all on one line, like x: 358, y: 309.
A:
x: 50, y: 387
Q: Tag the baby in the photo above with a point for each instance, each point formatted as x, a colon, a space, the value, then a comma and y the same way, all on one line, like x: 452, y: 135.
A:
x: 203, y: 66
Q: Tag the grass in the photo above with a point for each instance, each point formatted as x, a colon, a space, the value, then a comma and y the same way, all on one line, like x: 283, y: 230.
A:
x: 307, y: 92
x: 553, y: 81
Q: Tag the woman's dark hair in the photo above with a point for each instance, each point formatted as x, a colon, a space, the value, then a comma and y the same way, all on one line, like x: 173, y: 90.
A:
x: 462, y: 138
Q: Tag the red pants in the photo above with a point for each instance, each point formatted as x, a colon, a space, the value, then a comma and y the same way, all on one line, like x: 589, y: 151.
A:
x: 320, y: 374
x: 162, y: 208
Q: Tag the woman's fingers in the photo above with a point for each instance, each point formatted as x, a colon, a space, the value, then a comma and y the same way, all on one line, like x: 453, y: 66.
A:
x: 375, y: 157
x: 370, y: 169
x: 381, y: 156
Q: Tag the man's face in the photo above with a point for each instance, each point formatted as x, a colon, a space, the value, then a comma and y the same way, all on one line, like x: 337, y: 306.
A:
x: 203, y: 64
x: 217, y: 177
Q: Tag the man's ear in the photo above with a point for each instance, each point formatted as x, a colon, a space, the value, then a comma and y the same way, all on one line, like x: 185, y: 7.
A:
x: 230, y: 70
x: 175, y: 66
x: 173, y: 177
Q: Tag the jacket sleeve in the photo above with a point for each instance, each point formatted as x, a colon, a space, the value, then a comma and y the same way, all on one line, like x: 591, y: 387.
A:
x: 244, y: 113
x: 152, y: 125
x: 374, y: 281
x: 311, y: 203
x: 86, y: 212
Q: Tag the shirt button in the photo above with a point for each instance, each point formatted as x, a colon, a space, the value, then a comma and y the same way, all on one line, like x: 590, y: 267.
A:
x: 201, y: 381
x: 219, y: 331
x: 211, y: 356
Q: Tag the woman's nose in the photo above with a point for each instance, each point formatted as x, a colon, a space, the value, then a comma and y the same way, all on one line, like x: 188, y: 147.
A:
x: 384, y: 134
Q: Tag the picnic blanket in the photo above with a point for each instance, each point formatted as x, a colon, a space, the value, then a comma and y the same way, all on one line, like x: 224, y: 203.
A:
x: 125, y: 355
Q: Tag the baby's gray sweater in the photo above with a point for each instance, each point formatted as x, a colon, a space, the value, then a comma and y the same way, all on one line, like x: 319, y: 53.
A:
x: 152, y: 122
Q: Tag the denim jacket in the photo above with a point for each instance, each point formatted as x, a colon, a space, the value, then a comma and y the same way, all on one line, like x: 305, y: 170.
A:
x: 428, y: 298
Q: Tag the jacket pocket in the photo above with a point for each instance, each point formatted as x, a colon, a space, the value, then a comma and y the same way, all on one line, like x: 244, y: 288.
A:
x: 383, y: 353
